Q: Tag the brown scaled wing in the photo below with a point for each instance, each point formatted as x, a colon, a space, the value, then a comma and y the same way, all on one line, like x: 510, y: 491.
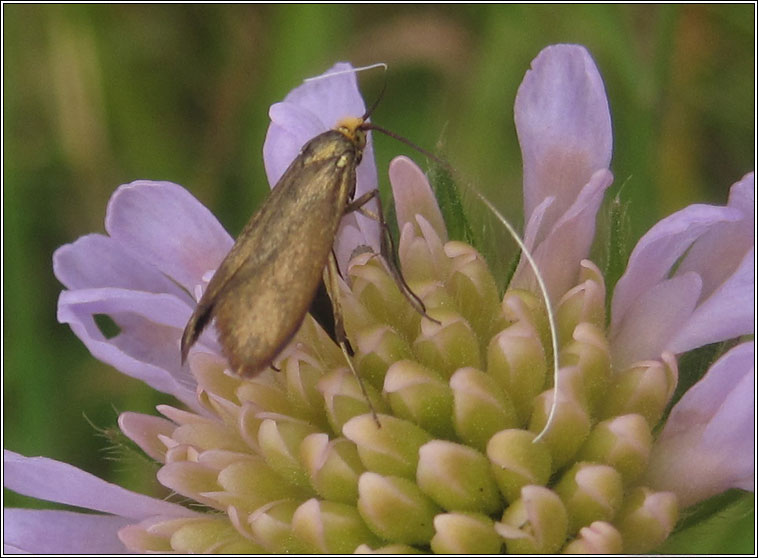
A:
x: 262, y: 290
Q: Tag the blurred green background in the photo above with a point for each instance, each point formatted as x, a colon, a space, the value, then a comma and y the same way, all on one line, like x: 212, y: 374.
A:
x: 96, y: 96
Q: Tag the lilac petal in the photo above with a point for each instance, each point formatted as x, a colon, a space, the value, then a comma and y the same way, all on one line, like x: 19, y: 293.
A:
x: 163, y: 225
x: 308, y: 110
x: 653, y: 320
x: 147, y: 347
x: 145, y: 431
x: 61, y: 532
x: 96, y: 260
x: 564, y: 126
x: 718, y: 252
x: 558, y: 256
x: 707, y: 444
x: 726, y: 314
x: 413, y: 196
x: 659, y: 249
x: 54, y: 481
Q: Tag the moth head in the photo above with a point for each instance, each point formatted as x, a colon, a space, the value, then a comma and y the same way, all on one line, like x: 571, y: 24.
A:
x: 354, y: 128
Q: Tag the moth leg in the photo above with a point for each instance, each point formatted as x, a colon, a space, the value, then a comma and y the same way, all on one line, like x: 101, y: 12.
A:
x: 387, y: 248
x: 331, y: 280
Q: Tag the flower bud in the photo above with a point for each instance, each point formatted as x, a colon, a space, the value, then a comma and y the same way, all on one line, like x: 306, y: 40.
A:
x: 590, y: 492
x: 389, y: 450
x: 447, y: 346
x: 516, y: 361
x: 330, y: 528
x: 375, y: 289
x: 397, y: 549
x: 251, y: 483
x: 516, y: 461
x: 192, y: 480
x: 524, y: 306
x: 343, y: 398
x: 646, y: 519
x: 198, y: 536
x: 598, y: 538
x: 568, y: 430
x: 536, y: 523
x: 271, y: 527
x: 465, y: 533
x: 422, y: 256
x: 645, y: 389
x: 279, y: 442
x: 333, y: 466
x: 395, y: 509
x: 474, y: 289
x: 457, y: 477
x: 376, y: 348
x: 584, y: 303
x: 588, y: 352
x: 481, y: 408
x: 622, y: 442
x: 420, y: 395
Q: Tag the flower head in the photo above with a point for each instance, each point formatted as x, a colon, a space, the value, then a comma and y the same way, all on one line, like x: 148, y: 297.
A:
x: 292, y: 460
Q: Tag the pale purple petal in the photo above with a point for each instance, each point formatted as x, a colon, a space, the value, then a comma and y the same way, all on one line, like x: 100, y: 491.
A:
x: 147, y: 346
x: 308, y: 110
x: 659, y: 249
x: 96, y: 260
x: 564, y: 127
x: 558, y: 256
x: 707, y: 444
x: 728, y: 313
x: 721, y: 249
x: 163, y: 225
x: 61, y: 532
x: 53, y: 481
x: 413, y: 196
x: 653, y: 320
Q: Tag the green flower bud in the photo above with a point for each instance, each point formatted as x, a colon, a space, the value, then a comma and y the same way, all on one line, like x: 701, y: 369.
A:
x: 397, y: 549
x: 395, y: 509
x: 598, y: 538
x: 646, y: 519
x: 516, y: 461
x: 301, y: 381
x: 474, y: 289
x: 590, y: 492
x: 584, y: 303
x: 279, y: 442
x: 376, y: 348
x: 192, y: 480
x: 375, y: 289
x: 588, y: 352
x: 643, y: 389
x: 421, y: 252
x: 569, y: 429
x: 524, y: 306
x: 420, y: 395
x: 622, y: 442
x: 516, y: 361
x: 330, y: 528
x: 265, y: 394
x: 271, y: 527
x: 251, y: 483
x: 465, y: 533
x: 391, y: 449
x: 343, y: 398
x: 536, y: 523
x: 447, y: 346
x: 208, y: 535
x: 210, y: 372
x: 457, y: 477
x: 481, y: 408
x: 333, y: 466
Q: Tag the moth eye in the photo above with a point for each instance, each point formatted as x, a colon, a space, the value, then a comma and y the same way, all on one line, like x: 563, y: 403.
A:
x: 360, y: 138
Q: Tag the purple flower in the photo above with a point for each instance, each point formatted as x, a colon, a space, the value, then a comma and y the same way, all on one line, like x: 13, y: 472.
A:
x: 293, y: 462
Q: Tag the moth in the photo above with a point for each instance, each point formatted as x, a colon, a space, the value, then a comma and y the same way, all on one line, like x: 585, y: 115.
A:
x: 264, y: 287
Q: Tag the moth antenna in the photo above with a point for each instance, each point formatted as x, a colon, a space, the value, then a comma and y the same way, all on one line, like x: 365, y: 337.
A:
x: 350, y: 71
x: 432, y: 156
x: 550, y: 314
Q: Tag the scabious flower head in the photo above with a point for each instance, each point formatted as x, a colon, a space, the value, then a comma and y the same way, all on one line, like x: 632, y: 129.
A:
x: 481, y: 448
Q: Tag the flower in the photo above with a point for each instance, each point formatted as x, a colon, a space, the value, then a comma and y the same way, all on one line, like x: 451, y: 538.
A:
x: 293, y: 461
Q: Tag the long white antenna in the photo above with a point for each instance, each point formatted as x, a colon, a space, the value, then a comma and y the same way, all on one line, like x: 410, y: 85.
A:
x: 350, y: 71
x: 543, y: 290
